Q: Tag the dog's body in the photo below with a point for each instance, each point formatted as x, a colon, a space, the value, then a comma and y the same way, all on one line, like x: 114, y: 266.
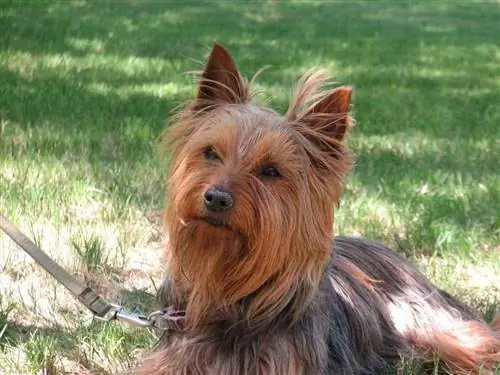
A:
x: 332, y: 337
x: 250, y: 251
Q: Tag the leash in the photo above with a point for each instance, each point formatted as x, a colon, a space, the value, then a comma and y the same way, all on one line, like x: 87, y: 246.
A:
x: 166, y: 319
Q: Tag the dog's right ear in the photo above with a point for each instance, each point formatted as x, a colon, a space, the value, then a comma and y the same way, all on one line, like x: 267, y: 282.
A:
x: 221, y: 81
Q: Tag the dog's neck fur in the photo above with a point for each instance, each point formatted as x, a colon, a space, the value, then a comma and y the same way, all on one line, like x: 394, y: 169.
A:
x: 293, y: 301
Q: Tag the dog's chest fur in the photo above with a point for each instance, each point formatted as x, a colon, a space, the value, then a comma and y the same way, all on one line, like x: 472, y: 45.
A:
x: 221, y: 349
x: 276, y: 356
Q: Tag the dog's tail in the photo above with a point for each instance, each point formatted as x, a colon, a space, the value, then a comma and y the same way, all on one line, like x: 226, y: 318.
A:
x: 467, y: 347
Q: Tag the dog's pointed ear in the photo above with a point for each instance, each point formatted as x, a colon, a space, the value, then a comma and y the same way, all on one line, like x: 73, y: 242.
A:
x: 330, y: 116
x: 221, y: 80
x: 327, y: 121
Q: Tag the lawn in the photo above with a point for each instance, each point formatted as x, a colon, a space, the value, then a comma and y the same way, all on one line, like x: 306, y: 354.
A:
x: 87, y: 87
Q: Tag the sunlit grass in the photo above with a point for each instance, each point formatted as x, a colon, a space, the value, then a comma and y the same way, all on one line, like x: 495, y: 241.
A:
x: 87, y: 89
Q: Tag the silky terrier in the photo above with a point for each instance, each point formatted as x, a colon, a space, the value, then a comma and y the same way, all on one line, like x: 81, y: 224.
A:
x: 255, y: 275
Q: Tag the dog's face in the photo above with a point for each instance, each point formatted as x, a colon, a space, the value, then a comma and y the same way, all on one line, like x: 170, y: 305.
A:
x: 250, y: 191
x: 241, y: 174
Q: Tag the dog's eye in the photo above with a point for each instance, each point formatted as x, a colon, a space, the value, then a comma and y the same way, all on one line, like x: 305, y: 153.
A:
x: 270, y: 171
x: 210, y: 154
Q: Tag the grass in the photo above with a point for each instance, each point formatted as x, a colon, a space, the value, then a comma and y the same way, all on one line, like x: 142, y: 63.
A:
x: 86, y: 89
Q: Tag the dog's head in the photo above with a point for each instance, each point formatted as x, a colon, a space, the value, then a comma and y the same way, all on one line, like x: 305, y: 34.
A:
x: 250, y: 192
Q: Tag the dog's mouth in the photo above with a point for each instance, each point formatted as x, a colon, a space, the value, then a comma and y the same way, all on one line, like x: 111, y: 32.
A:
x: 216, y: 222
x: 213, y: 221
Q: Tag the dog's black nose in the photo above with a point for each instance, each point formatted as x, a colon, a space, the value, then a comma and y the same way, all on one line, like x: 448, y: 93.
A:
x: 218, y: 200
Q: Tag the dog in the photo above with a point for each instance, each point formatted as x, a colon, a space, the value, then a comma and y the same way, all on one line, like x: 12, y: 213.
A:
x: 260, y: 283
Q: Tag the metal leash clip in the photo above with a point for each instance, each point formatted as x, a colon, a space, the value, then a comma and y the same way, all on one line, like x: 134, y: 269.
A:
x: 117, y: 312
x: 168, y: 319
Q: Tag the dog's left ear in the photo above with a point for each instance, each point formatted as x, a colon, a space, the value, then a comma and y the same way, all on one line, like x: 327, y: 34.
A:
x: 328, y: 120
x: 221, y: 80
x: 330, y: 116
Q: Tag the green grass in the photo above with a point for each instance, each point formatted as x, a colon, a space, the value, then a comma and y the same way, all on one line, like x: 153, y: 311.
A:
x: 87, y: 87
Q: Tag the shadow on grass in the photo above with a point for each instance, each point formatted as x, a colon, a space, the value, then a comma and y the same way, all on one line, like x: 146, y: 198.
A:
x: 414, y: 53
x: 445, y: 190
x: 96, y: 82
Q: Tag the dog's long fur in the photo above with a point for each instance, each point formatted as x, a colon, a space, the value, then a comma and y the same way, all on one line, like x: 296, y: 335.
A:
x: 263, y: 291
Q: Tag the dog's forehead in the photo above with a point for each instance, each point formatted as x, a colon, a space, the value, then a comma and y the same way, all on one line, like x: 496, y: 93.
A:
x: 256, y: 131
x: 249, y: 121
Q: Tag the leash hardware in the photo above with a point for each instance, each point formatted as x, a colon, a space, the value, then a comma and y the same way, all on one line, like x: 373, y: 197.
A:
x: 168, y: 319
x: 117, y: 312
